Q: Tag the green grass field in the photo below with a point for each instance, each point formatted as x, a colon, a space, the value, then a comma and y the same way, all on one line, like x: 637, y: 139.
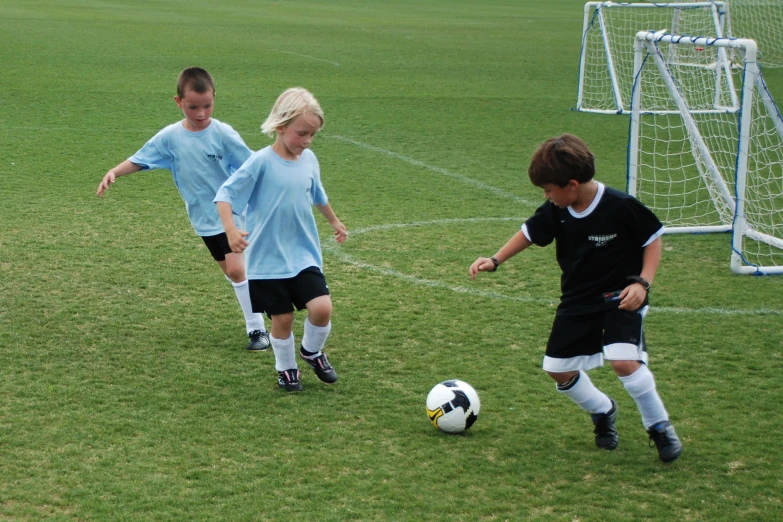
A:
x: 125, y: 389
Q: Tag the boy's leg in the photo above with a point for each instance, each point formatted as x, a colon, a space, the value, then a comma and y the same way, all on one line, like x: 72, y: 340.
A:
x: 233, y: 266
x: 602, y: 409
x: 284, y: 347
x: 310, y: 291
x: 316, y: 331
x: 274, y: 298
x: 235, y: 272
x: 254, y: 323
x: 575, y: 346
x: 580, y: 389
x: 640, y: 385
x: 625, y: 348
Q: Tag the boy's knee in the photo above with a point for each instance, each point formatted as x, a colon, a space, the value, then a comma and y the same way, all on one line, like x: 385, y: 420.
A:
x: 234, y: 267
x: 235, y: 274
x: 319, y: 310
x: 563, y: 378
x: 282, y: 323
x: 625, y: 368
x: 236, y: 277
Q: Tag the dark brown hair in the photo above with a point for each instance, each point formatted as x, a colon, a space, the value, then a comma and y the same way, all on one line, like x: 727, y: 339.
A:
x: 194, y: 79
x: 561, y: 159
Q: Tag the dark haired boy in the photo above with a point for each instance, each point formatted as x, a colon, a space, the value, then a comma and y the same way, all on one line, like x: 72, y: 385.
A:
x: 608, y: 246
x: 201, y: 153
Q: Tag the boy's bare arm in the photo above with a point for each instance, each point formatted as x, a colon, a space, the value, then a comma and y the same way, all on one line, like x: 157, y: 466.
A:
x: 651, y: 259
x: 340, y: 232
x: 123, y: 169
x: 633, y: 295
x: 236, y: 238
x: 513, y: 246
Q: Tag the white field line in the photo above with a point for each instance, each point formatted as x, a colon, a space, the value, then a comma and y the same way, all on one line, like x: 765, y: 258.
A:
x: 310, y: 57
x: 338, y: 252
x: 443, y: 172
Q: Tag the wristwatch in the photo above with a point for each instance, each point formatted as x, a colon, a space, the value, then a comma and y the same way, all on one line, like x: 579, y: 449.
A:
x: 642, y: 281
x: 497, y: 263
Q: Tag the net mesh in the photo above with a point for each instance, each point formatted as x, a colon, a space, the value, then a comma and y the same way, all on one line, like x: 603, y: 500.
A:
x: 762, y: 21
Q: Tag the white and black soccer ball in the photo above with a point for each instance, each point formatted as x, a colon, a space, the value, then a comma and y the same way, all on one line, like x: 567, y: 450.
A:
x: 453, y: 406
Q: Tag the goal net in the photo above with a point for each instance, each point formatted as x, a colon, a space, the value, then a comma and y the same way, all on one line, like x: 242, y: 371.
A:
x: 705, y: 149
x: 761, y: 20
x: 608, y: 31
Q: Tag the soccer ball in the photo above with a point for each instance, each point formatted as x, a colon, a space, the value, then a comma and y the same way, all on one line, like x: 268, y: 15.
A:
x: 453, y: 406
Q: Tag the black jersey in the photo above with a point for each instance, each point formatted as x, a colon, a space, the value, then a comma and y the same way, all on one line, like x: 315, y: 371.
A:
x: 597, y: 249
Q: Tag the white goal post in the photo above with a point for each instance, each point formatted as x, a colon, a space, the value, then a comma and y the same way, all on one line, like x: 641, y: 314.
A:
x: 608, y: 31
x: 698, y: 161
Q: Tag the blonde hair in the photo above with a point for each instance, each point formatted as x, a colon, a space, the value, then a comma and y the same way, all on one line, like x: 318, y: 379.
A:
x: 292, y: 103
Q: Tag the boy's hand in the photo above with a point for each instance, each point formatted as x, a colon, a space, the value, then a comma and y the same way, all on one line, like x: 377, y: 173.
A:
x: 340, y: 232
x: 482, y: 264
x: 236, y: 240
x: 107, y: 180
x: 632, y: 297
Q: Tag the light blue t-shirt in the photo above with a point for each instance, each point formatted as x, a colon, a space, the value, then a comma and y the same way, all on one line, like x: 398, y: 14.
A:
x: 279, y: 195
x: 199, y: 163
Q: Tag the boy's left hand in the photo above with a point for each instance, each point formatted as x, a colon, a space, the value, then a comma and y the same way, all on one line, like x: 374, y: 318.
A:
x: 340, y: 232
x: 632, y: 297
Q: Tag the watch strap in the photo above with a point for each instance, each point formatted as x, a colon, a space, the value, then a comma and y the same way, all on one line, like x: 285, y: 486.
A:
x: 642, y: 281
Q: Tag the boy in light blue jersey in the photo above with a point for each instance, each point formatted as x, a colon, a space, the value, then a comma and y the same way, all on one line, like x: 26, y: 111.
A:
x: 201, y: 153
x: 278, y: 186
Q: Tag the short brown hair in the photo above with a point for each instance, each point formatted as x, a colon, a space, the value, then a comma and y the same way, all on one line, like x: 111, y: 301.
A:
x: 194, y: 79
x: 561, y: 159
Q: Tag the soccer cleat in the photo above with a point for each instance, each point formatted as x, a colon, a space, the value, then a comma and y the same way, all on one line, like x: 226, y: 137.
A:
x: 289, y: 379
x: 320, y: 365
x: 259, y: 341
x: 666, y: 440
x: 605, y: 430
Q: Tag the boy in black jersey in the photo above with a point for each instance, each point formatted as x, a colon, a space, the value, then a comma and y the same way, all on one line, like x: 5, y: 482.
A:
x: 608, y: 246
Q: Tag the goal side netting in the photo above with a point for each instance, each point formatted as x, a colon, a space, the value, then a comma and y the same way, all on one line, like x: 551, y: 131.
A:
x: 608, y: 31
x: 705, y: 148
x: 762, y: 21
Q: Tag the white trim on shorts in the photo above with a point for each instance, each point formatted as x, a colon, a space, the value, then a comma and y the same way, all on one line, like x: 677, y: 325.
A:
x: 572, y: 364
x: 625, y: 352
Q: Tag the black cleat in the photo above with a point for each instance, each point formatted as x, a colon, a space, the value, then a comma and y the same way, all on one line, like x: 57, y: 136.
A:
x: 666, y: 440
x: 259, y: 341
x: 289, y: 380
x: 320, y: 365
x: 605, y: 430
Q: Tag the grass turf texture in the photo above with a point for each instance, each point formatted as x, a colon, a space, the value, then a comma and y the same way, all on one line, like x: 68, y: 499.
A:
x: 126, y: 390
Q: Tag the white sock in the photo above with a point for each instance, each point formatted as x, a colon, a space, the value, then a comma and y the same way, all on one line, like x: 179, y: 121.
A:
x: 285, y: 353
x: 253, y: 321
x: 640, y: 385
x: 584, y: 393
x: 314, y: 337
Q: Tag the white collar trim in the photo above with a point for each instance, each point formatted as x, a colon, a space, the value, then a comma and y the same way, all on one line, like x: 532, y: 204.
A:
x: 586, y: 212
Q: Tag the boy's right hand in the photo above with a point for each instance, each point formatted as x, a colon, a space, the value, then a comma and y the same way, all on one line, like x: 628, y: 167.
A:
x: 107, y: 180
x: 236, y: 240
x: 482, y: 264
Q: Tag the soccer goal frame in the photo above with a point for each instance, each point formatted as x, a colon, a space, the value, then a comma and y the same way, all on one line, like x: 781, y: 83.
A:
x: 700, y: 165
x: 606, y: 56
